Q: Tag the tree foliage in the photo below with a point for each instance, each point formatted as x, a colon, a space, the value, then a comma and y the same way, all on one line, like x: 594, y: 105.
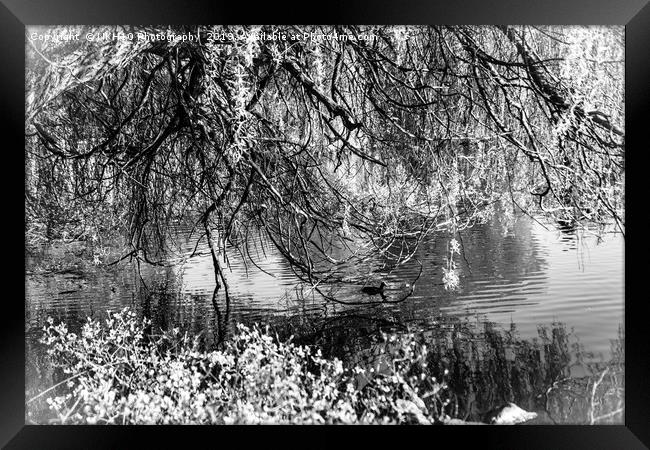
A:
x: 334, y: 149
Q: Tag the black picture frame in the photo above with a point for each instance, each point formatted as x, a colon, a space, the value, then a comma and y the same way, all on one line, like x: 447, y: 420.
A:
x: 634, y: 14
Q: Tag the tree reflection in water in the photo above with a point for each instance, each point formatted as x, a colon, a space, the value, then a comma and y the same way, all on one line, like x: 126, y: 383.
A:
x: 487, y: 366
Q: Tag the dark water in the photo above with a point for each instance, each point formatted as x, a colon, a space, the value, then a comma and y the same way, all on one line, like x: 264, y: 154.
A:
x: 535, y: 305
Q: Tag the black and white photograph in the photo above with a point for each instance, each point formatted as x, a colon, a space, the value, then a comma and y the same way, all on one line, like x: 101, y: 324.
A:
x: 325, y: 224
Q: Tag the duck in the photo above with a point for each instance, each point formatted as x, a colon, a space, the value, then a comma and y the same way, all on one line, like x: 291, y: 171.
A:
x: 566, y: 224
x: 371, y: 290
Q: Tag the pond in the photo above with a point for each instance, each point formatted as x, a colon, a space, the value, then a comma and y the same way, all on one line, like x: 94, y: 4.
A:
x: 537, y: 315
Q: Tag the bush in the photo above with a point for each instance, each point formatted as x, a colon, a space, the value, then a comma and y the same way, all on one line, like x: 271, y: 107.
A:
x: 116, y: 375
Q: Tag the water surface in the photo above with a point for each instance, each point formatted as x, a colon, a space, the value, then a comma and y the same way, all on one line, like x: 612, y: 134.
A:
x: 534, y: 305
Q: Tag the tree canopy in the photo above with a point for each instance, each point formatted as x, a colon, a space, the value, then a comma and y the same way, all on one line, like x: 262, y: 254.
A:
x: 335, y: 143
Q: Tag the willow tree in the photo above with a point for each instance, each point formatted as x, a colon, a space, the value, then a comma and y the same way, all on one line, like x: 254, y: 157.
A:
x: 336, y: 144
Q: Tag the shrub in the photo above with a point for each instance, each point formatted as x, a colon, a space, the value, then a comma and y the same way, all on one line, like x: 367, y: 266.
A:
x: 116, y: 375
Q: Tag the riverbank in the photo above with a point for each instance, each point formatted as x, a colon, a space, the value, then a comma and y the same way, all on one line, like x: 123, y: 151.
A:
x: 119, y: 371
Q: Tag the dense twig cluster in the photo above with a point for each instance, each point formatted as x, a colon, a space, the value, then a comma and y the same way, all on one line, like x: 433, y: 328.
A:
x: 117, y: 374
x: 336, y: 150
